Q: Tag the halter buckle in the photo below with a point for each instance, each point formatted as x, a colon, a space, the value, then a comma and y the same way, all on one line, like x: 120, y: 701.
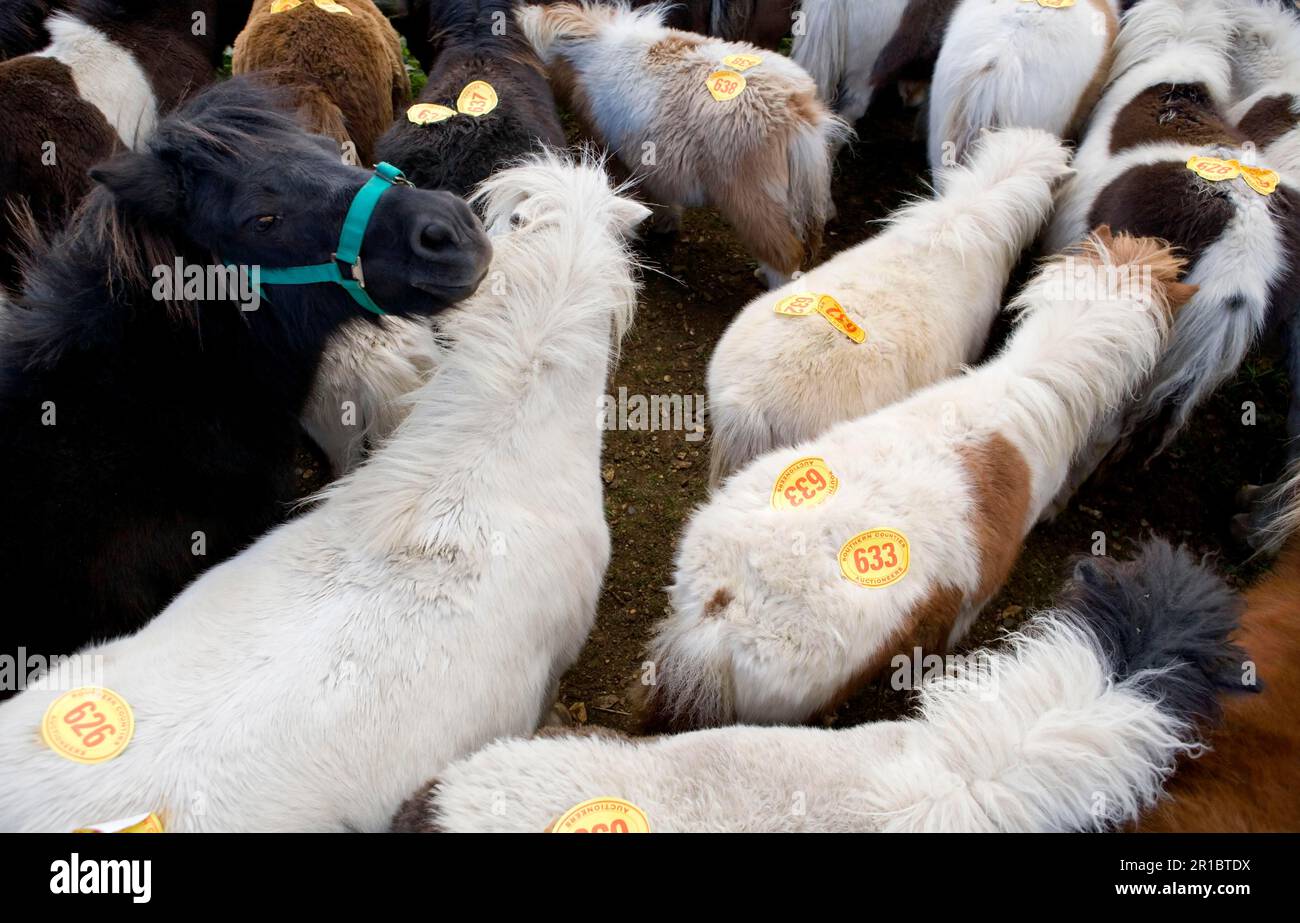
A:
x: 355, y: 268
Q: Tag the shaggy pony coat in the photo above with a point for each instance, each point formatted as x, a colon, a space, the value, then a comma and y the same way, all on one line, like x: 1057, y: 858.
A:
x: 99, y: 84
x: 1074, y: 725
x: 149, y: 439
x: 459, y: 153
x: 427, y: 606
x: 22, y: 26
x: 1007, y: 63
x: 925, y: 290
x: 1169, y: 87
x: 345, y: 69
x: 764, y: 627
x: 762, y: 158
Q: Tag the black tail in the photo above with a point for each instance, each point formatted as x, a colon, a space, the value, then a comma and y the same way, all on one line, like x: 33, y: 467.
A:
x: 911, y: 53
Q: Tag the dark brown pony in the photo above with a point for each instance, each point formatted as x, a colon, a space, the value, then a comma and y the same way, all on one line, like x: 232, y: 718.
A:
x: 54, y: 133
x: 345, y: 69
x: 22, y: 26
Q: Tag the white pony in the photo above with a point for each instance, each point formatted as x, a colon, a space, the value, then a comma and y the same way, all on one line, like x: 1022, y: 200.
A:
x: 1054, y: 733
x: 916, y: 515
x: 1007, y: 63
x: 925, y: 291
x: 1266, y: 81
x: 426, y: 607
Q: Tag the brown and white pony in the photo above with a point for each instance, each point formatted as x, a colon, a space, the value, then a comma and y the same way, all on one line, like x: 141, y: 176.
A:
x: 1168, y: 93
x: 100, y: 84
x: 343, y: 63
x: 761, y: 153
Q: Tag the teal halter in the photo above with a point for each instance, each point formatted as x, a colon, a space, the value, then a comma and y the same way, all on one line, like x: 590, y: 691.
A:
x: 350, y: 238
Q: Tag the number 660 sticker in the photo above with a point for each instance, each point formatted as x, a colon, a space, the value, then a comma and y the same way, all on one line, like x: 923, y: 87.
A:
x: 875, y: 558
x: 88, y: 725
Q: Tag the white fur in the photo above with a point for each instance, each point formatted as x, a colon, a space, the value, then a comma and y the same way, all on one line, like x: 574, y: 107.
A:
x: 1266, y: 63
x: 106, y: 75
x: 1178, y: 41
x: 925, y: 290
x: 793, y: 632
x: 840, y: 42
x: 1040, y: 739
x: 1006, y: 63
x: 426, y: 607
x: 365, y: 375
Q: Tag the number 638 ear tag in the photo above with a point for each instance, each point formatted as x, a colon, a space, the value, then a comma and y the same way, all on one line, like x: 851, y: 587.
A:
x: 875, y: 558
x: 725, y: 85
x: 88, y: 725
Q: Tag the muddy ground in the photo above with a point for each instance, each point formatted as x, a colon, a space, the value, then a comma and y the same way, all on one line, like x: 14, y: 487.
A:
x: 654, y: 479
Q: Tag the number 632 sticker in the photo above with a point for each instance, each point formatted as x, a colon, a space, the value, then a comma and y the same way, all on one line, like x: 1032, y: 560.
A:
x: 875, y: 558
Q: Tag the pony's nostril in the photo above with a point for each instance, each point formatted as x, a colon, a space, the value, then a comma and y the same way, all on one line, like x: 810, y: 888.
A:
x: 437, y: 237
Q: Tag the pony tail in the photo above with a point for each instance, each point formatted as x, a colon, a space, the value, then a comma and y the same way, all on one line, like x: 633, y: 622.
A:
x: 810, y: 159
x: 822, y: 50
x: 319, y: 115
x: 1285, y: 498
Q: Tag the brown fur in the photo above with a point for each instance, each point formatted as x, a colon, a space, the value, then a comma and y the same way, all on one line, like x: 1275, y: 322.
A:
x: 416, y: 813
x: 718, y: 602
x: 1247, y: 783
x: 1182, y: 113
x: 347, y: 71
x: 1088, y: 101
x: 1000, y: 478
x: 1269, y: 119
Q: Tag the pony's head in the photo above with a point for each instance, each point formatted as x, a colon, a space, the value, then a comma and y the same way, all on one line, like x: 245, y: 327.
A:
x: 234, y: 176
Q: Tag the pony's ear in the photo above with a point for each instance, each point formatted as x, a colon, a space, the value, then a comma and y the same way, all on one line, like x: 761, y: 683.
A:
x: 142, y: 183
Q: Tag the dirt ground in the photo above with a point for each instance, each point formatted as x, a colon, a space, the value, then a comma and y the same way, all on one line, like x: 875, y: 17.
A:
x: 655, y: 479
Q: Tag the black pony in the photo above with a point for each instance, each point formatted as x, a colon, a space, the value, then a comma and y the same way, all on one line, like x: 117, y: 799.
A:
x: 469, y: 40
x: 22, y: 26
x: 149, y: 432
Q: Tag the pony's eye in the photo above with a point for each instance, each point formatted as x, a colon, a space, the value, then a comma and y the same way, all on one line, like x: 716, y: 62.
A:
x: 266, y: 222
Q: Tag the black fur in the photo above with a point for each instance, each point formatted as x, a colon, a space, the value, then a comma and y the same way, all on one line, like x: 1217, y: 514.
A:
x: 914, y: 49
x: 1163, y: 611
x: 175, y: 417
x: 22, y: 29
x: 459, y: 153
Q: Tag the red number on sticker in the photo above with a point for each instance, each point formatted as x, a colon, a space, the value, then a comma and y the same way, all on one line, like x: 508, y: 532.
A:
x: 866, y: 564
x: 617, y: 825
x: 95, y: 738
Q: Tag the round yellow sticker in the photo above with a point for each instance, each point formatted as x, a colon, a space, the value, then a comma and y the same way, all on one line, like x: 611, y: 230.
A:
x: 725, y: 85
x: 1213, y: 168
x: 1261, y: 180
x: 140, y: 823
x: 283, y: 6
x: 478, y: 98
x: 875, y: 558
x: 798, y: 305
x: 1053, y: 4
x: 602, y: 815
x: 330, y: 7
x: 88, y: 725
x: 428, y: 113
x: 807, y: 482
x: 742, y: 62
x: 830, y: 309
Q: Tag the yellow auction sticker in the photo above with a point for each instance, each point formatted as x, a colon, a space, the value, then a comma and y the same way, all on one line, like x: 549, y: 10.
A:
x: 798, y: 305
x: 602, y: 815
x: 428, y: 113
x: 725, y: 85
x: 830, y: 309
x: 88, y: 725
x: 875, y: 558
x: 807, y: 482
x: 1053, y: 4
x: 1213, y: 169
x: 1261, y: 180
x: 329, y: 7
x: 478, y: 98
x: 140, y: 823
x: 283, y: 6
x: 742, y: 62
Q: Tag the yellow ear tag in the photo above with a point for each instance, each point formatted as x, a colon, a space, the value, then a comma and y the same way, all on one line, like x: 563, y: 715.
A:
x: 88, y: 725
x: 1261, y: 180
x: 875, y: 558
x: 1213, y: 168
x: 331, y: 7
x: 799, y: 305
x: 478, y: 98
x: 141, y: 823
x: 284, y: 6
x: 602, y: 815
x: 725, y: 85
x: 830, y: 309
x: 742, y: 62
x: 428, y: 113
x: 807, y: 482
x: 1053, y: 4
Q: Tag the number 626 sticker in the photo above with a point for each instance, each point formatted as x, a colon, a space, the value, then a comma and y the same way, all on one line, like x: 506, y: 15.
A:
x: 875, y: 558
x: 88, y: 725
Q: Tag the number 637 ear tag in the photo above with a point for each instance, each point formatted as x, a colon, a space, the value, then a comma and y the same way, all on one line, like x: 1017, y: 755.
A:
x: 88, y: 725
